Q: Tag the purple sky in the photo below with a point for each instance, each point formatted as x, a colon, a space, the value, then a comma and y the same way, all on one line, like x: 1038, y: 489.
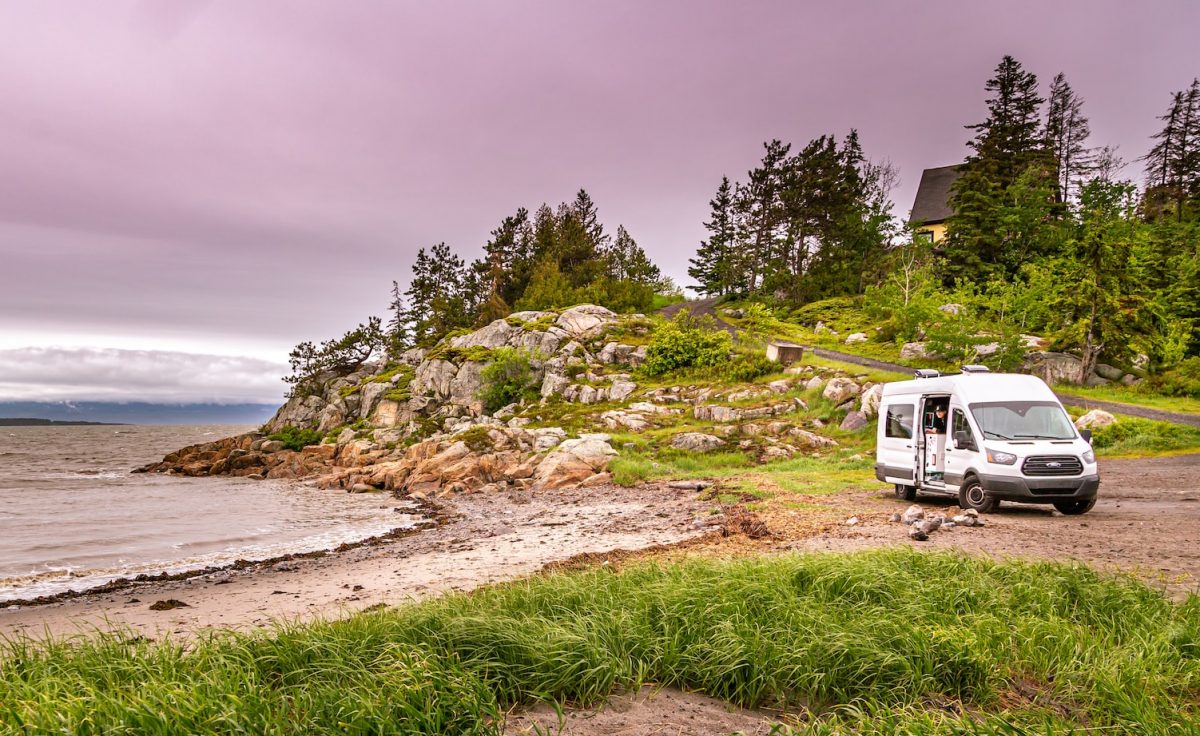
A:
x: 229, y: 178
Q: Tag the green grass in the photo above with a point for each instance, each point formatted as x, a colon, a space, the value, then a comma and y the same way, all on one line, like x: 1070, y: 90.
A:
x: 1135, y: 437
x: 879, y: 642
x: 1135, y: 396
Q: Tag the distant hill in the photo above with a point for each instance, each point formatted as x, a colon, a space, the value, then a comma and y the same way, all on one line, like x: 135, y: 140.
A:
x: 27, y: 422
x: 103, y: 412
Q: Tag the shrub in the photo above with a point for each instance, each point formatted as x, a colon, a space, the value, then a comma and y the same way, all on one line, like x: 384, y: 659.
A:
x: 507, y: 379
x: 1130, y: 435
x: 743, y: 368
x: 295, y: 438
x: 686, y: 343
x: 1182, y: 380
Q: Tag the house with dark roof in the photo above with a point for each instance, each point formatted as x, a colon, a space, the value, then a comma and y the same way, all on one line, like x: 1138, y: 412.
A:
x: 931, y: 208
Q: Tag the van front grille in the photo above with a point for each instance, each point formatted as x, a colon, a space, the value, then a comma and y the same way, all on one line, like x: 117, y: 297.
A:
x: 1043, y: 465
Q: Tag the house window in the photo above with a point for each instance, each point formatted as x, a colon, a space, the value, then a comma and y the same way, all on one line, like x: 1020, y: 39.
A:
x: 924, y: 235
x: 900, y: 421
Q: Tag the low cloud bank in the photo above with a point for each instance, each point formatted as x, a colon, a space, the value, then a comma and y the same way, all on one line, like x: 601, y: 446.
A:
x: 156, y: 376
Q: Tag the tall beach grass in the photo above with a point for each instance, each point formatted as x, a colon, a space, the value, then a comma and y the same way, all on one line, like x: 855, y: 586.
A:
x: 878, y: 642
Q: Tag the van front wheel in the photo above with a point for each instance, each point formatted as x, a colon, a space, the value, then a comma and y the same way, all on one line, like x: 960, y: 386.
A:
x: 908, y: 493
x: 972, y: 496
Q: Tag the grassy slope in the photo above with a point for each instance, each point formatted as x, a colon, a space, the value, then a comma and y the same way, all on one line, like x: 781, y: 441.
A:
x: 1134, y: 396
x: 879, y: 642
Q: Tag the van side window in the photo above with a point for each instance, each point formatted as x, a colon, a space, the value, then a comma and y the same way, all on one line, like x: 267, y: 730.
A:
x: 960, y: 424
x: 900, y: 421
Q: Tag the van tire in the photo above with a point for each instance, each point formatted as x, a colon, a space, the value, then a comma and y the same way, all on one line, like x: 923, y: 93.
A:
x: 972, y: 496
x: 906, y: 493
x: 1074, y: 508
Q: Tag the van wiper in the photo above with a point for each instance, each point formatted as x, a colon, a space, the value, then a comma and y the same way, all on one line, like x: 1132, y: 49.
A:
x: 996, y: 435
x: 1042, y: 437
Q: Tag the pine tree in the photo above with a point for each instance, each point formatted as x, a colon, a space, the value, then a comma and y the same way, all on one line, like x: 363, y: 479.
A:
x: 763, y: 213
x: 1173, y: 163
x: 1006, y: 145
x: 628, y: 262
x: 399, y: 333
x: 711, y: 266
x: 1066, y: 133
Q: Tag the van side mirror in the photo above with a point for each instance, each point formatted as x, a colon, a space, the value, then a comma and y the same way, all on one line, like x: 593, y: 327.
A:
x: 963, y: 440
x: 1086, y: 434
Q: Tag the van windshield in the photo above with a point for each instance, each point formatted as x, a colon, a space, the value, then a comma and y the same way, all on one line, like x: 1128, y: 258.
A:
x: 1023, y: 420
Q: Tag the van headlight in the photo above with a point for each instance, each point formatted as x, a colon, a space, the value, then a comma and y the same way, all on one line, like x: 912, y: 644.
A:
x: 1089, y: 457
x: 1000, y: 458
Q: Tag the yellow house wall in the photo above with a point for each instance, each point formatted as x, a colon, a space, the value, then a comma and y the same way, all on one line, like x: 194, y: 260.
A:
x: 937, y: 231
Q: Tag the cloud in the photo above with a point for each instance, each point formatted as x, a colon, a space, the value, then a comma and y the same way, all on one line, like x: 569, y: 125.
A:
x: 96, y: 374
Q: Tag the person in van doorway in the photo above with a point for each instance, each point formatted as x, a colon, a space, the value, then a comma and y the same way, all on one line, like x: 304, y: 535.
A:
x: 939, y: 420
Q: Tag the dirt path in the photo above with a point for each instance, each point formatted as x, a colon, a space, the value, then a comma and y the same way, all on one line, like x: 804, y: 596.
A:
x: 493, y: 538
x: 1147, y: 521
x: 700, y: 308
x: 1067, y: 399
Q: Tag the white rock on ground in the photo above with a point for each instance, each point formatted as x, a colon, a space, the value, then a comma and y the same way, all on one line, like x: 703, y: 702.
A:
x: 1095, y: 418
x: 840, y: 389
x: 696, y: 442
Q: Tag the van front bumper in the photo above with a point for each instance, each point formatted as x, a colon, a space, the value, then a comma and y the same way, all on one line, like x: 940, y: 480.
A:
x: 1040, y: 490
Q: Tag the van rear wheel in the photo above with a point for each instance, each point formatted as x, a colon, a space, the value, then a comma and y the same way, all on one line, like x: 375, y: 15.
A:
x: 972, y: 496
x: 1075, y: 508
x: 907, y: 493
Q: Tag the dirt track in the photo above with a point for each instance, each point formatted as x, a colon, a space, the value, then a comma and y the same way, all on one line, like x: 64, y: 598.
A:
x: 1147, y: 521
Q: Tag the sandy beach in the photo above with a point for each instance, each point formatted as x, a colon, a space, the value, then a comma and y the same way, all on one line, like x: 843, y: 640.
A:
x: 484, y: 539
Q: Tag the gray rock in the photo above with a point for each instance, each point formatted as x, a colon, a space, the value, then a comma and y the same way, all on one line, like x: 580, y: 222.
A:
x: 696, y: 442
x: 494, y: 335
x: 1052, y: 367
x: 855, y: 421
x: 916, y: 534
x: 553, y: 384
x: 895, y: 518
x: 369, y: 396
x: 840, y: 389
x: 951, y: 309
x: 856, y: 337
x: 1107, y: 371
x: 913, y: 514
x: 585, y: 321
x: 915, y: 351
x: 621, y: 390
x: 814, y: 383
x: 1095, y: 418
x: 434, y: 376
x: 869, y: 405
x: 271, y: 446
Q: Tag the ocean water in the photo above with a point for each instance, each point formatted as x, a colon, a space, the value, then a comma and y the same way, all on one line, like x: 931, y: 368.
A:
x: 72, y: 516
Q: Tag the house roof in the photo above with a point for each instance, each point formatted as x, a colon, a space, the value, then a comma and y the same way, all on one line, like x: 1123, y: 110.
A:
x: 932, y: 204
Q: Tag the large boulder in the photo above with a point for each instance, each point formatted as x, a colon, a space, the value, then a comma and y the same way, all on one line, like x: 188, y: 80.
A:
x: 810, y: 440
x: 841, y: 389
x: 434, y: 377
x: 871, y: 397
x: 492, y: 336
x: 854, y: 421
x: 298, y: 411
x: 553, y: 384
x: 696, y: 442
x: 621, y: 390
x: 1109, y: 372
x: 915, y: 351
x: 369, y: 396
x: 1053, y: 367
x: 585, y: 321
x: 574, y: 462
x: 465, y: 387
x: 1095, y: 418
x: 856, y: 337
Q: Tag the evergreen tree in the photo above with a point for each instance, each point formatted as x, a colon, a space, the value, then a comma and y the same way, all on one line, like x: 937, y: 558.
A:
x: 398, y: 334
x: 711, y: 267
x: 762, y: 212
x: 1006, y: 145
x: 628, y: 262
x: 1066, y: 133
x: 1173, y: 163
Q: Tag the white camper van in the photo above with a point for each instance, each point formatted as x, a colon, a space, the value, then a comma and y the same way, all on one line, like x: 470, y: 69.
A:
x: 983, y: 437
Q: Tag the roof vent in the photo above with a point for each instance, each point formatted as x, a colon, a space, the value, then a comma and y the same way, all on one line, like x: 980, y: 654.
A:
x: 976, y: 369
x: 926, y: 373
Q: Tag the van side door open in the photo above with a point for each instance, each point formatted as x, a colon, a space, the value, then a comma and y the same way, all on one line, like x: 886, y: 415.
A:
x: 896, y: 459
